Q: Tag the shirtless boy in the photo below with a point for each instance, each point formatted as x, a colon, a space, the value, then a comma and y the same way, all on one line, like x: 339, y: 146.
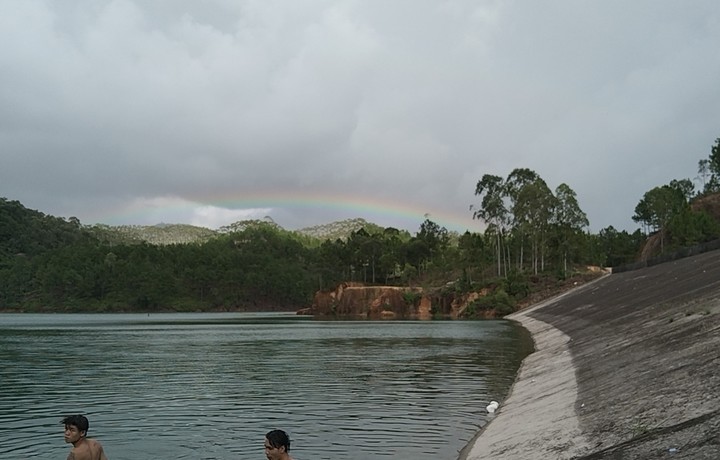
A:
x: 76, y: 428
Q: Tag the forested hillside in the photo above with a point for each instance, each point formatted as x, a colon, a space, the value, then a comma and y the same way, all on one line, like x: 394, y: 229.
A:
x: 535, y: 238
x: 29, y: 233
x: 52, y: 264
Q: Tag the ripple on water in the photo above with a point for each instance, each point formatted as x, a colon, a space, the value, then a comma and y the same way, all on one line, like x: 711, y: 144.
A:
x: 189, y: 387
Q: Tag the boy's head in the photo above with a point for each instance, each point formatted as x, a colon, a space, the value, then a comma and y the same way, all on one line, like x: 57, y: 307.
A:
x: 277, y: 444
x: 79, y: 421
x: 76, y: 427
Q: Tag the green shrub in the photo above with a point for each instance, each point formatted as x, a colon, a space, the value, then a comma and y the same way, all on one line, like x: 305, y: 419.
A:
x: 504, y: 304
x: 412, y: 298
x: 499, y: 300
x: 471, y: 309
x: 516, y: 285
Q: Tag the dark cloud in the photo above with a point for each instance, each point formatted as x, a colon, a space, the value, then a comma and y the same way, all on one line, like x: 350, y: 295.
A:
x: 122, y: 111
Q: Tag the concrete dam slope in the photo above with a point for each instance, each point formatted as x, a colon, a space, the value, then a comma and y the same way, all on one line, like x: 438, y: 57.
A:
x: 625, y: 367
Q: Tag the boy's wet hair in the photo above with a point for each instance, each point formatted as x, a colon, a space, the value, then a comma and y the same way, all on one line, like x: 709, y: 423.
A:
x: 79, y: 421
x: 278, y: 438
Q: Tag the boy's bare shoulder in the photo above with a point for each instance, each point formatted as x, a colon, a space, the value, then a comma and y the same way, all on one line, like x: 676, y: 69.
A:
x: 89, y: 450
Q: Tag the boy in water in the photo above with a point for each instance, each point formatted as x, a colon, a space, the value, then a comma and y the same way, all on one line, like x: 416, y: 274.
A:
x: 277, y: 445
x: 76, y: 428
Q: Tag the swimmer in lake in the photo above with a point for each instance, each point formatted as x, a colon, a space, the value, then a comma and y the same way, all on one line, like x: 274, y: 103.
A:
x: 277, y: 445
x: 76, y: 428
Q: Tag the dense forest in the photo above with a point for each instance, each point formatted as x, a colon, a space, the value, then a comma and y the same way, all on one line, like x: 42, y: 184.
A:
x: 532, y: 233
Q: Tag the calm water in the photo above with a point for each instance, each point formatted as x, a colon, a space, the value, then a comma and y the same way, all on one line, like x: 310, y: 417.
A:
x: 209, y: 386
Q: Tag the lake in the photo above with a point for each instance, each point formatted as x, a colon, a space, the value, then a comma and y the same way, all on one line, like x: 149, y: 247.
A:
x: 209, y: 386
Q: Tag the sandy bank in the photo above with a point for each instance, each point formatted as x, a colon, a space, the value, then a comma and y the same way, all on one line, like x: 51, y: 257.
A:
x: 626, y: 367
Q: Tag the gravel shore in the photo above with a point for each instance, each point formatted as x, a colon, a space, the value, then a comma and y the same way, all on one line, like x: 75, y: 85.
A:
x: 625, y: 367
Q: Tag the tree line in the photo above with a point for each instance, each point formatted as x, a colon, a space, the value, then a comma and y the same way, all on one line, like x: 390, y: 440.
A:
x: 54, y: 264
x: 668, y: 211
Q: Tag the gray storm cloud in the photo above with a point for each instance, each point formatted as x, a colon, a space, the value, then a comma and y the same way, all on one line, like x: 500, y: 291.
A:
x: 116, y: 105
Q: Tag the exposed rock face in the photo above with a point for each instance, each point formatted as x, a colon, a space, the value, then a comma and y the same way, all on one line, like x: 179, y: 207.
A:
x: 357, y: 301
x: 353, y: 300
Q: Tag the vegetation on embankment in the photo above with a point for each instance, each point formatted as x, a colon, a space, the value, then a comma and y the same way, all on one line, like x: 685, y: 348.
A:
x: 535, y: 243
x: 51, y: 264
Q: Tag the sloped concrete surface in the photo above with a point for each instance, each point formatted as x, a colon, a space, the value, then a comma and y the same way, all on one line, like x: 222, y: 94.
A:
x: 626, y: 367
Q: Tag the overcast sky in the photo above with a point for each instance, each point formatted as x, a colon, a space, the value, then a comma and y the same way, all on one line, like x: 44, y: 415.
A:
x: 180, y: 111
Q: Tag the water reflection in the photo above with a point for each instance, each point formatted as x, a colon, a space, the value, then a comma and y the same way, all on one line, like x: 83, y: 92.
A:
x: 210, y: 386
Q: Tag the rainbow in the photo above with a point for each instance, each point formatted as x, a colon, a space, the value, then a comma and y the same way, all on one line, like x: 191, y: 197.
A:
x: 385, y: 212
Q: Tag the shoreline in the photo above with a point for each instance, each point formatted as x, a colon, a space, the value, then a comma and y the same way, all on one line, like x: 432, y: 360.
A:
x: 625, y: 367
x: 545, y: 390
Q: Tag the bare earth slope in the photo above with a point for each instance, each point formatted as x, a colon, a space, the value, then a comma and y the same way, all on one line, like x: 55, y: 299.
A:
x: 626, y: 367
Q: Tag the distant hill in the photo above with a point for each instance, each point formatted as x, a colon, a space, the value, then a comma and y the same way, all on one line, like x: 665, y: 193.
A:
x: 339, y: 230
x: 22, y: 228
x: 161, y: 234
x: 241, y: 225
x: 164, y: 234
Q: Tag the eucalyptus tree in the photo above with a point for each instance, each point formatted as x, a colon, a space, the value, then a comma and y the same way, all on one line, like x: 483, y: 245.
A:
x: 494, y: 212
x: 515, y: 184
x: 533, y: 207
x: 569, y: 220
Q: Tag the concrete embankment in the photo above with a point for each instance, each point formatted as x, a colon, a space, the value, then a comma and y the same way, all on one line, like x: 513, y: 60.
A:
x: 625, y: 367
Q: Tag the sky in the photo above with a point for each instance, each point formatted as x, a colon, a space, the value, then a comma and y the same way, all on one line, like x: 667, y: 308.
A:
x: 129, y: 112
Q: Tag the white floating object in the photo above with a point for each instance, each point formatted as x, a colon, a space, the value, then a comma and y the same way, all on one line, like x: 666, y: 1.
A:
x: 492, y: 407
